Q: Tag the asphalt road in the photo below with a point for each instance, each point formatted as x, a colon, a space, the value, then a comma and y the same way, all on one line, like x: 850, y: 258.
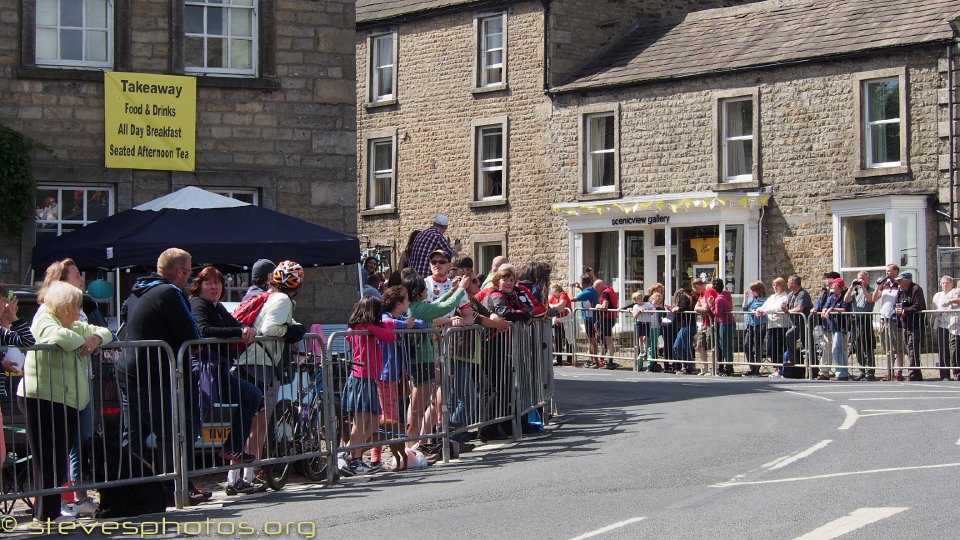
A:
x: 659, y: 456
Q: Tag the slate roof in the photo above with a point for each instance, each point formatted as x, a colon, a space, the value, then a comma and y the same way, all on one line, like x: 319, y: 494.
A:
x: 375, y: 10
x: 766, y: 33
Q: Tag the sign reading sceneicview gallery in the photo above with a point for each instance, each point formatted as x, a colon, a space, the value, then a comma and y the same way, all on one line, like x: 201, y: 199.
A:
x: 150, y: 121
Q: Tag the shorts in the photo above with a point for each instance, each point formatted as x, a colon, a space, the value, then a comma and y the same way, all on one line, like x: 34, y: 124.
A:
x: 605, y: 326
x: 264, y: 378
x: 590, y: 328
x: 892, y: 335
x: 643, y: 328
x: 423, y: 373
x: 360, y: 396
x: 703, y: 339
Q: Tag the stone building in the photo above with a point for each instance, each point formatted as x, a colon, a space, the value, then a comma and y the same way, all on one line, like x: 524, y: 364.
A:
x: 660, y: 140
x: 275, y: 119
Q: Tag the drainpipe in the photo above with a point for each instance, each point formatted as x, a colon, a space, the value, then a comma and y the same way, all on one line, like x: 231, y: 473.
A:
x: 951, y: 135
x: 546, y: 45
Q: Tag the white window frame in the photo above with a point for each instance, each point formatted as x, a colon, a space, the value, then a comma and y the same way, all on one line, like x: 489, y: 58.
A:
x: 482, y: 265
x: 864, y: 166
x: 375, y: 73
x: 233, y: 192
x: 726, y: 138
x: 867, y: 124
x: 376, y: 176
x: 591, y: 153
x: 481, y: 167
x: 254, y: 38
x: 482, y: 79
x: 75, y: 223
x: 58, y: 28
x: 892, y: 207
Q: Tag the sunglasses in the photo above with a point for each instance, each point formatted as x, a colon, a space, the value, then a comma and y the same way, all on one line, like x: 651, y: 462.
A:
x: 439, y: 261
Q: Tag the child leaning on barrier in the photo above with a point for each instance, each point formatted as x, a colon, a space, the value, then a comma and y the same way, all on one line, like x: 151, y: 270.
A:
x: 361, y: 401
x: 392, y: 387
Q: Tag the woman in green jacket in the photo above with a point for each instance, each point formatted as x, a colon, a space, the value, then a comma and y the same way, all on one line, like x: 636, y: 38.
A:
x: 55, y: 387
x: 422, y: 364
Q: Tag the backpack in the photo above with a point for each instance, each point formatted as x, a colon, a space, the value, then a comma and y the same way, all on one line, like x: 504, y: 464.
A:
x: 246, y: 313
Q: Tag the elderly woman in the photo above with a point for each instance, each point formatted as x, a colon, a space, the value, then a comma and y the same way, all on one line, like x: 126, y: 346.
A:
x: 948, y: 327
x: 753, y: 299
x: 212, y: 380
x: 55, y: 387
x: 67, y: 271
x: 777, y: 322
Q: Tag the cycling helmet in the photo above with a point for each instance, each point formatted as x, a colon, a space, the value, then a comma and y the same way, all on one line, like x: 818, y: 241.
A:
x: 288, y: 275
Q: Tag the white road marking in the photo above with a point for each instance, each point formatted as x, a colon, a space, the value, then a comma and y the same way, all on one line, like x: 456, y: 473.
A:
x: 852, y: 416
x: 783, y: 462
x: 609, y: 528
x: 901, y: 398
x: 836, y: 475
x: 893, y: 392
x: 958, y: 442
x: 808, y: 395
x: 860, y: 517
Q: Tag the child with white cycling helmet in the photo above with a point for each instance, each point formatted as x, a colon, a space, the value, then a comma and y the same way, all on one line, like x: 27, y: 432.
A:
x: 260, y: 363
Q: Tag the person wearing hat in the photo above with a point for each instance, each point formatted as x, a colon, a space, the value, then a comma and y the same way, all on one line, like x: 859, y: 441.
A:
x: 429, y: 240
x: 835, y: 327
x: 259, y: 277
x: 909, y: 308
x: 822, y: 339
x: 891, y: 332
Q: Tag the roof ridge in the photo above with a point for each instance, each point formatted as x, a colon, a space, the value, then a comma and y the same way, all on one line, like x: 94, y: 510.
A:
x: 733, y: 11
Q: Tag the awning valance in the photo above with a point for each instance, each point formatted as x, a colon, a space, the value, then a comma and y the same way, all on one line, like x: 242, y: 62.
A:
x: 673, y: 202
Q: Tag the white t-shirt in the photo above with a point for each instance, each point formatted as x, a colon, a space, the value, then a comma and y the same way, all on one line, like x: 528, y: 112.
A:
x: 888, y: 301
x: 436, y: 289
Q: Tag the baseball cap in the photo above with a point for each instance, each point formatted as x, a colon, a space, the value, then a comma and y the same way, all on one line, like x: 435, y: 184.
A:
x: 440, y: 252
x: 838, y: 281
x: 905, y: 275
x: 441, y: 220
x: 262, y: 268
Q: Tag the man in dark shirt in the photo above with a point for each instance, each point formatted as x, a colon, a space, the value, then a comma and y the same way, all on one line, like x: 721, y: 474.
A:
x: 798, y: 305
x: 157, y: 309
x: 910, y: 306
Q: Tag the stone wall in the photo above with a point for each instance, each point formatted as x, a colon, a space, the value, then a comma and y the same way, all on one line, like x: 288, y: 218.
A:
x: 291, y: 137
x: 807, y: 146
x: 432, y: 120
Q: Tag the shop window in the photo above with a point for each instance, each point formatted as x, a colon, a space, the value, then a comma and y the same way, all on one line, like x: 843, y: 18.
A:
x: 491, y: 51
x: 220, y: 37
x: 61, y: 209
x: 601, y: 251
x: 382, y: 76
x: 871, y: 232
x: 74, y: 33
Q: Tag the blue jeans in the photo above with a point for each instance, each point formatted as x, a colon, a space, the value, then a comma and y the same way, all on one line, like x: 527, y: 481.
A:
x: 247, y: 397
x: 840, y: 353
x: 464, y: 394
x: 84, y: 432
x: 725, y: 332
x: 681, y: 347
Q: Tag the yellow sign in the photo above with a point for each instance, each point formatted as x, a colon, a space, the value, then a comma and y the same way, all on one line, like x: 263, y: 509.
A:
x: 150, y: 121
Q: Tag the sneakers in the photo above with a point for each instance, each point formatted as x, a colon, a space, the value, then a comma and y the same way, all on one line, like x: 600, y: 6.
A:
x: 359, y: 467
x: 85, y: 508
x: 345, y: 465
x: 238, y: 487
x: 610, y: 364
x: 197, y: 496
x: 776, y: 375
x: 236, y: 457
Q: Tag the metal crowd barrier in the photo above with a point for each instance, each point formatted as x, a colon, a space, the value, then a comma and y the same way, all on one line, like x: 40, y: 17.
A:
x: 602, y: 336
x: 55, y: 448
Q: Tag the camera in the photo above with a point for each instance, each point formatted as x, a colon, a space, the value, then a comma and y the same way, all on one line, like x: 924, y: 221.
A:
x: 857, y: 283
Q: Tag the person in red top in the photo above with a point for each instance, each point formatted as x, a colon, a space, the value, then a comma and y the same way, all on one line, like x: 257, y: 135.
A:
x: 722, y: 312
x: 606, y: 318
x: 703, y: 340
x: 360, y: 398
x: 559, y: 301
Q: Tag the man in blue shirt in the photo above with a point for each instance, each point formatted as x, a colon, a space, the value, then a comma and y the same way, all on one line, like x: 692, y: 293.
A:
x: 589, y: 297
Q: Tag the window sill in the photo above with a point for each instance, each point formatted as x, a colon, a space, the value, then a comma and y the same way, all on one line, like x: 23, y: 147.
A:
x: 378, y: 211
x: 377, y: 104
x: 599, y: 196
x: 248, y: 83
x: 67, y: 73
x: 881, y: 171
x: 737, y: 186
x: 480, y: 90
x: 487, y: 203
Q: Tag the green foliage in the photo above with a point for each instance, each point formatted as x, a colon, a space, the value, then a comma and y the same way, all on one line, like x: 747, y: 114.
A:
x: 16, y: 181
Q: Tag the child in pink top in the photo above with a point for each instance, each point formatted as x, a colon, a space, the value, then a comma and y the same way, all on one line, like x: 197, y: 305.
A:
x: 360, y: 399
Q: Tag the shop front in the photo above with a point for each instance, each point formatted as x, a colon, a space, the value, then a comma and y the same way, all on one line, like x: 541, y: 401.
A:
x: 635, y: 242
